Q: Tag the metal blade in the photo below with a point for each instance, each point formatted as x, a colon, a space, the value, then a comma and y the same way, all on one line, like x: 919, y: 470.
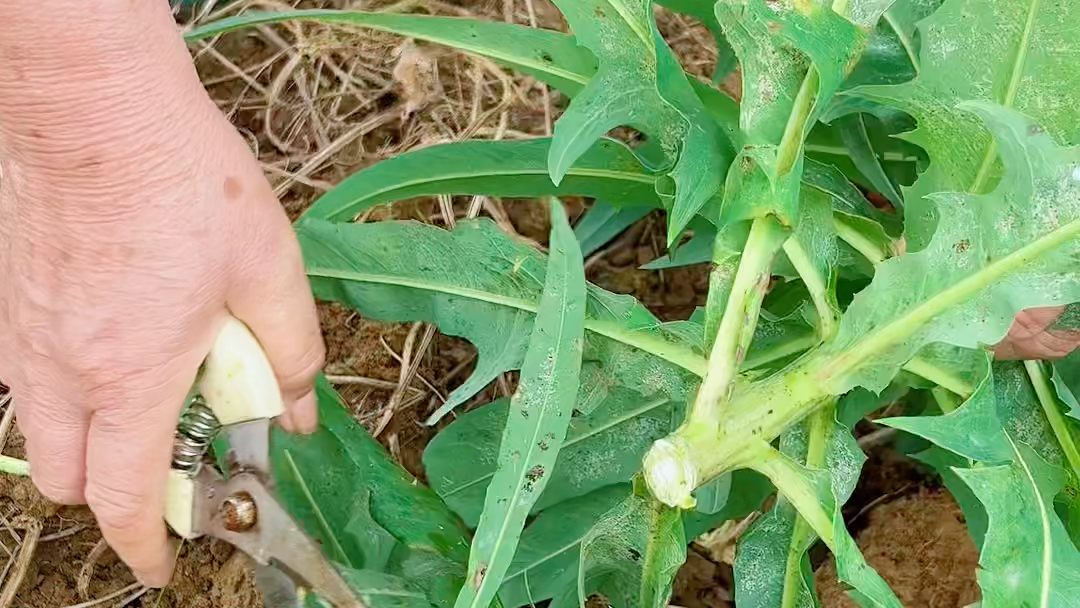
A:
x: 271, y: 537
x: 277, y: 588
x: 249, y: 447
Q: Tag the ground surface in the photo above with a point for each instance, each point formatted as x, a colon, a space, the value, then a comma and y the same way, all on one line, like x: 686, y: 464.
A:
x: 317, y: 103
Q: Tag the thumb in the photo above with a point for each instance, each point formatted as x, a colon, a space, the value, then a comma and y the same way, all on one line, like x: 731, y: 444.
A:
x: 270, y: 293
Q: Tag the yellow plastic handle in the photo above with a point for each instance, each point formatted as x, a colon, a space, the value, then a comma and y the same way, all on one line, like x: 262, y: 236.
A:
x: 238, y: 384
x: 237, y: 380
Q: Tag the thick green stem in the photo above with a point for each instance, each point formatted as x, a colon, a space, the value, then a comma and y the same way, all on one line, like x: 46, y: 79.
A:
x: 14, y: 466
x: 740, y: 318
x: 802, y: 535
x: 859, y: 242
x: 1052, y: 410
x: 939, y: 376
x: 790, y: 479
x: 817, y: 285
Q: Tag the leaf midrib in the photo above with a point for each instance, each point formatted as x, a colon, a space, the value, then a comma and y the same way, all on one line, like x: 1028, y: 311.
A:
x: 983, y: 175
x: 614, y: 422
x: 672, y: 353
x: 1047, y: 541
x: 548, y: 405
x: 442, y: 177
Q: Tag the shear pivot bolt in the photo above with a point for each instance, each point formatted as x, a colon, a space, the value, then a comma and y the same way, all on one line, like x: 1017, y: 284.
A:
x: 239, y: 512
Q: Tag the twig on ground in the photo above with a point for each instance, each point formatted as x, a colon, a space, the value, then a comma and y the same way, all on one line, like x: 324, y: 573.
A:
x: 132, y: 597
x: 22, y: 563
x: 5, y: 422
x: 82, y: 583
x: 106, y: 598
x: 62, y: 533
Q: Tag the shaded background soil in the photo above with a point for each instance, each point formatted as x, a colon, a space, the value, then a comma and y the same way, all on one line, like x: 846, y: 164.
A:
x: 316, y: 103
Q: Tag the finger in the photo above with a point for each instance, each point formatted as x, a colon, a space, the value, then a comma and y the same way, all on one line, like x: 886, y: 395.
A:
x: 270, y: 293
x: 1031, y: 336
x: 128, y: 458
x: 49, y: 417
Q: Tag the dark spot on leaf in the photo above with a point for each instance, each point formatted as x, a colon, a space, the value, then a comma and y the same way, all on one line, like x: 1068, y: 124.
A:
x: 525, y: 413
x: 535, y: 473
x: 773, y: 27
x: 962, y: 246
x: 770, y: 412
x: 635, y: 554
x: 599, y: 12
x: 747, y: 164
x: 547, y: 57
x: 543, y: 445
x: 478, y: 578
x: 576, y: 413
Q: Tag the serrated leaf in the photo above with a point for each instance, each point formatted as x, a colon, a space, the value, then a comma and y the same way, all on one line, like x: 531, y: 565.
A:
x: 540, y: 412
x: 1027, y: 558
x: 640, y: 84
x: 1016, y: 53
x: 632, y: 554
x: 601, y: 448
x: 608, y: 170
x: 553, y: 57
x: 992, y: 256
x: 323, y: 479
x: 390, y: 271
x: 1066, y: 379
x: 603, y: 222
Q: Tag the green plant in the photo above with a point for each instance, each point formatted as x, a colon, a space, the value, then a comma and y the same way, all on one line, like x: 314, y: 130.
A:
x: 627, y: 436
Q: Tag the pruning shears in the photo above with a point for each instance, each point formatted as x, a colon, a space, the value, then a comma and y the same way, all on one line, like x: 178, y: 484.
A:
x: 238, y: 396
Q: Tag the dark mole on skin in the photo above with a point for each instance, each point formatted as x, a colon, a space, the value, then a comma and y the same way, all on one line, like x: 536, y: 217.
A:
x: 233, y: 189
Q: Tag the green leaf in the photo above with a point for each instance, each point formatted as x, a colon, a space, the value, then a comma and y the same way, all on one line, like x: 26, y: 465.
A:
x: 552, y: 57
x: 992, y: 256
x: 1016, y: 53
x: 640, y: 84
x: 697, y: 250
x: 1027, y: 558
x: 603, y: 222
x: 772, y: 567
x: 853, y: 129
x: 539, y: 416
x: 377, y: 590
x: 608, y: 170
x: 602, y: 448
x: 632, y: 554
x: 392, y: 271
x: 546, y: 562
x: 892, y: 52
x: 342, y: 488
x: 1066, y: 379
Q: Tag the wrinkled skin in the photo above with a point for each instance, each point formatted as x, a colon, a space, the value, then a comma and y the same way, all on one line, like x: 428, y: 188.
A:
x: 1033, y: 335
x: 133, y: 218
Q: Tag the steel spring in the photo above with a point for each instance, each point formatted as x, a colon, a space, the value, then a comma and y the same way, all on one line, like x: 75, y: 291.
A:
x: 196, y: 431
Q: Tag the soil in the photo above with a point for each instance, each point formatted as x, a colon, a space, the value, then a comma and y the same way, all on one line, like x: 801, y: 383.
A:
x: 911, y: 531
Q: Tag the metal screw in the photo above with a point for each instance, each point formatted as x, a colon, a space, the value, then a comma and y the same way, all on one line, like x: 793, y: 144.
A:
x: 239, y: 512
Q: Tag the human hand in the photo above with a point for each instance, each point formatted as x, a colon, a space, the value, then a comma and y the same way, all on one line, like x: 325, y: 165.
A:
x: 131, y: 223
x: 1038, y: 333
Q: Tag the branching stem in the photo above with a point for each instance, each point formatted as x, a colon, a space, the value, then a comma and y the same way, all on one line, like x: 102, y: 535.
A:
x: 740, y: 318
x: 817, y: 285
